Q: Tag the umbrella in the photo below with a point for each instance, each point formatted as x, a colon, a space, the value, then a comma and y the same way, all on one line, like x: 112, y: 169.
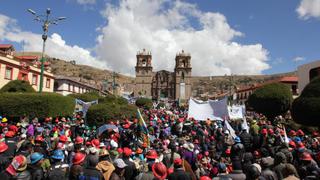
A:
x: 106, y: 127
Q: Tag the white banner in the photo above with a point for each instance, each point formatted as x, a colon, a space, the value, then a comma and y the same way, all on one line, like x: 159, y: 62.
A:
x: 201, y: 111
x: 236, y: 112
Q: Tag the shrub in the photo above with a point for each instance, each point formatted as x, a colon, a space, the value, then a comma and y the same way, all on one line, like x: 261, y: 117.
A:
x: 17, y: 86
x: 271, y: 100
x: 35, y: 105
x: 144, y: 102
x: 306, y: 108
x: 100, y: 114
x: 86, y: 97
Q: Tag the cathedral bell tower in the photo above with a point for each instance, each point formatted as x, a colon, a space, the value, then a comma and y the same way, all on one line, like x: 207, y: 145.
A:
x: 144, y: 74
x: 182, y: 72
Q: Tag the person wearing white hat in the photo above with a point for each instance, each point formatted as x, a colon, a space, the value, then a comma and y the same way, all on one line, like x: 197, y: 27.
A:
x: 118, y: 173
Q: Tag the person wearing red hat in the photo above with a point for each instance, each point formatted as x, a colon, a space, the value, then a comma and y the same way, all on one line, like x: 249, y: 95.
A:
x: 4, y: 159
x: 205, y: 178
x: 307, y: 165
x: 17, y: 168
x: 159, y: 170
x: 79, y: 140
x: 13, y: 128
x: 77, y: 165
x: 292, y: 133
x: 11, y: 141
x: 179, y: 173
x: 40, y: 145
x: 63, y: 139
x: 300, y: 133
x: 152, y: 155
x: 95, y: 143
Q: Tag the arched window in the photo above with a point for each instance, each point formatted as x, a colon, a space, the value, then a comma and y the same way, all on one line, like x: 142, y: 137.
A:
x: 143, y: 62
x: 182, y: 76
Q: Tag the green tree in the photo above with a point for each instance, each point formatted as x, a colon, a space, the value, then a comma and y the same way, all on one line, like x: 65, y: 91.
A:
x: 17, y: 86
x: 103, y: 113
x: 86, y: 97
x: 306, y: 108
x: 144, y: 103
x: 271, y: 100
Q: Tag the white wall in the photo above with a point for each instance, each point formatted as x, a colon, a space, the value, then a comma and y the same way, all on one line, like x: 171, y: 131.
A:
x: 303, y: 74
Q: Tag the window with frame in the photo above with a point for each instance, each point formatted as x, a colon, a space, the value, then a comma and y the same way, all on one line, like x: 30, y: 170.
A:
x: 8, y: 73
x: 69, y: 87
x: 34, y: 79
x: 48, y: 83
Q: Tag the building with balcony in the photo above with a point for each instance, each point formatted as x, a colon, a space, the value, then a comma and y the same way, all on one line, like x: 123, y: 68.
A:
x: 26, y: 68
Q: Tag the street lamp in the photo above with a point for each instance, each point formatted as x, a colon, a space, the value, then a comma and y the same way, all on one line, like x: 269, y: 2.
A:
x: 45, y: 27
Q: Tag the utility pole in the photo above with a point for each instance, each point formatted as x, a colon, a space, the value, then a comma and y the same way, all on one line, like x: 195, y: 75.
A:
x: 114, y: 76
x: 45, y: 27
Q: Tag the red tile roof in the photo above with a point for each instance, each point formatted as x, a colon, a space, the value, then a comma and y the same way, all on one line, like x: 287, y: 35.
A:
x: 291, y: 79
x: 29, y: 58
x: 5, y: 46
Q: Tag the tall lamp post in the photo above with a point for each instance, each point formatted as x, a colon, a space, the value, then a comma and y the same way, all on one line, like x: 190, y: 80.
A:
x: 45, y: 27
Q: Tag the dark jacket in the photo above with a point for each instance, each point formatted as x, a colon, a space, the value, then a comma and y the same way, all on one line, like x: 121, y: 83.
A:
x: 246, y: 140
x: 237, y: 175
x: 237, y: 151
x: 130, y: 170
x: 75, y: 171
x: 12, y: 146
x: 4, y: 162
x: 36, y: 172
x: 179, y: 174
x: 92, y: 172
x: 269, y: 175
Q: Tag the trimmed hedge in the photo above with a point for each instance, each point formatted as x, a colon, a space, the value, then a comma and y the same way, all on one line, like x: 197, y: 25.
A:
x: 17, y: 86
x: 144, y: 103
x: 306, y: 108
x: 91, y: 96
x: 100, y: 114
x: 86, y: 97
x: 271, y: 100
x: 35, y: 105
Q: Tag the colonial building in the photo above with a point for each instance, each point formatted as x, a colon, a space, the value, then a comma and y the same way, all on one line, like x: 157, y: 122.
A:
x: 292, y: 82
x: 306, y: 73
x: 163, y: 84
x: 66, y: 86
x: 26, y: 68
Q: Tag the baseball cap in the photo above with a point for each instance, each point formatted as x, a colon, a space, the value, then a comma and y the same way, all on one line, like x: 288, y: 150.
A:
x: 119, y: 163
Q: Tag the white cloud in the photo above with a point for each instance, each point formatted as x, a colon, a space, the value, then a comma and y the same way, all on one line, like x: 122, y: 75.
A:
x: 86, y: 2
x: 166, y: 27
x: 299, y: 58
x: 308, y: 9
x: 278, y: 61
x: 55, y: 46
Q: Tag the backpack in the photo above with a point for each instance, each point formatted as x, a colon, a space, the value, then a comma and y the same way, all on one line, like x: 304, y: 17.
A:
x: 55, y: 173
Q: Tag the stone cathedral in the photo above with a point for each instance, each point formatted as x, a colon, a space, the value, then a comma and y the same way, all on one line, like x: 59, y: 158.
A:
x: 163, y: 84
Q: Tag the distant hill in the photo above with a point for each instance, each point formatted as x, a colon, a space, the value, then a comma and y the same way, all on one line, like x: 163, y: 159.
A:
x: 201, y: 85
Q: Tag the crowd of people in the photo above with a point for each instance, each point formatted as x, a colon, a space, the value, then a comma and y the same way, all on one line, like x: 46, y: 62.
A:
x: 168, y: 146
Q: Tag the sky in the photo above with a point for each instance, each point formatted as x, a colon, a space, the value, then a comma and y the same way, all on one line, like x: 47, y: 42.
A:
x: 222, y: 36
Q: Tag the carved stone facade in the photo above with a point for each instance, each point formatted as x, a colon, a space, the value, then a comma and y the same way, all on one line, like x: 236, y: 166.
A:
x: 163, y: 84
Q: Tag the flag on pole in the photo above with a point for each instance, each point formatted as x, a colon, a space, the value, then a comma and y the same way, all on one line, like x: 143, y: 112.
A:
x: 286, y: 139
x: 143, y: 127
x: 142, y: 124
